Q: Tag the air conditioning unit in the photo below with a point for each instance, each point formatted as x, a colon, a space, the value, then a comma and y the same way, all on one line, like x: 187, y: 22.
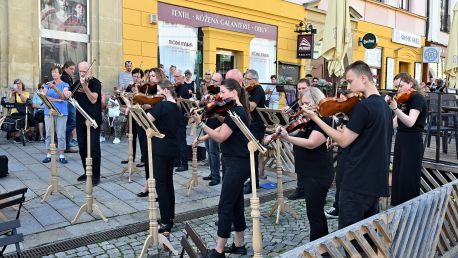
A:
x: 153, y: 18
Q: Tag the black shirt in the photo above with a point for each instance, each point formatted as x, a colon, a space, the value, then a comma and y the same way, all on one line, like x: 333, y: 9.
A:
x: 369, y: 155
x: 257, y: 127
x: 213, y: 123
x: 237, y: 144
x: 418, y: 102
x: 315, y: 162
x: 183, y: 91
x: 66, y: 78
x: 93, y: 110
x: 166, y: 115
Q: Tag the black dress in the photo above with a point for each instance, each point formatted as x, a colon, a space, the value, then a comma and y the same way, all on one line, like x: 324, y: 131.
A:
x: 408, y: 154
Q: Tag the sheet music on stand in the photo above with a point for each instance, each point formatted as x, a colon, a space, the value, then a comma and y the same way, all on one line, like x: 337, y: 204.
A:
x: 83, y: 112
x: 49, y: 104
x: 187, y: 104
x: 273, y: 117
x: 143, y: 120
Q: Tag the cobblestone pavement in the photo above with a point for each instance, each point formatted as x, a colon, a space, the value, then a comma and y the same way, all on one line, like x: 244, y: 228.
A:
x: 288, y: 234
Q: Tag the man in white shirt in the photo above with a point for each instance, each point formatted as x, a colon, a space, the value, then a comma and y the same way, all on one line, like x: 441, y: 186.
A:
x: 125, y: 78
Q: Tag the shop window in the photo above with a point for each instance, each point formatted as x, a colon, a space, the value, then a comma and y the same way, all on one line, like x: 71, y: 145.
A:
x: 177, y: 46
x: 64, y: 32
x: 445, y: 17
x: 404, y: 4
x: 263, y: 54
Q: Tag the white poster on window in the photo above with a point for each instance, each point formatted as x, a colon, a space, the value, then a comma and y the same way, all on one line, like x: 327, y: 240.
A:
x: 389, y: 73
x: 263, y: 54
x: 373, y: 57
x: 417, y: 72
x: 177, y: 46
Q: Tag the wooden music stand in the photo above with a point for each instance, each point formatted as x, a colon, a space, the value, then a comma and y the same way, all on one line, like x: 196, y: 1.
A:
x: 89, y: 206
x: 154, y: 238
x: 194, y: 181
x: 272, y: 118
x: 54, y: 187
x: 130, y: 136
x: 186, y: 106
x: 253, y: 145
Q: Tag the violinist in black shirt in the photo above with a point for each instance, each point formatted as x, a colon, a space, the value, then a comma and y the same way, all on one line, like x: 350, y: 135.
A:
x: 89, y: 97
x: 408, y: 146
x: 367, y: 138
x: 234, y: 150
x: 185, y: 93
x: 165, y: 116
x: 313, y: 164
x: 257, y: 98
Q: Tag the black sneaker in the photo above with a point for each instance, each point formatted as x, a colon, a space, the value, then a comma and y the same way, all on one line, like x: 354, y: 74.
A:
x: 17, y: 140
x: 214, y: 254
x: 296, y: 195
x: 213, y: 182
x: 247, y: 188
x: 166, y: 228
x: 332, y: 213
x: 209, y: 177
x: 235, y: 249
x: 82, y: 178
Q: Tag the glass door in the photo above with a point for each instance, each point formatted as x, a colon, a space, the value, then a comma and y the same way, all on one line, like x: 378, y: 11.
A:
x: 225, y: 61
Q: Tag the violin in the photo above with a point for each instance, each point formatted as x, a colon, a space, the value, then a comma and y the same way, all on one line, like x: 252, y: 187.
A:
x: 250, y: 87
x: 217, y: 106
x: 212, y: 89
x: 89, y: 77
x: 142, y: 99
x: 294, y: 125
x: 403, y: 97
x: 332, y: 105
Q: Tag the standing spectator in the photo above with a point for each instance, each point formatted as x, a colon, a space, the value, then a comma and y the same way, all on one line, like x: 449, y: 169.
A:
x: 125, y: 78
x: 172, y: 73
x: 189, y: 83
x: 272, y: 95
x: 57, y: 92
x: 38, y: 112
x: 70, y: 132
x: 315, y: 81
x: 204, y: 83
x: 182, y: 92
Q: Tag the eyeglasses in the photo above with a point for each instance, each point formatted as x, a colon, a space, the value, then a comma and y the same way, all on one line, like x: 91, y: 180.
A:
x: 208, y: 74
x: 152, y: 75
x: 213, y: 80
x: 248, y: 78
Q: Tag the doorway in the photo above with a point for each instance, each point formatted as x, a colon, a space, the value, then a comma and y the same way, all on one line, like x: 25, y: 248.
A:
x: 225, y: 61
x: 403, y: 67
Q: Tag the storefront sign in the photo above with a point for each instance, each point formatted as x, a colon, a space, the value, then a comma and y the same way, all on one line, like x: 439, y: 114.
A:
x: 305, y: 46
x: 431, y: 54
x: 369, y: 41
x: 406, y: 38
x: 373, y: 57
x: 263, y: 53
x: 195, y: 18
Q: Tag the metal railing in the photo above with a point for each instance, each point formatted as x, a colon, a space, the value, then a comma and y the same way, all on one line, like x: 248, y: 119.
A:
x: 426, y: 226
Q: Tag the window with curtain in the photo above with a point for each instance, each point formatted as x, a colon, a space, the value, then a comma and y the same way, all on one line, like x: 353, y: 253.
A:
x: 64, y: 33
x: 445, y: 17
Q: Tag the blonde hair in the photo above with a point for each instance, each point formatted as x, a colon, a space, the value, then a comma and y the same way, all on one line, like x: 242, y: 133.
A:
x: 314, y: 94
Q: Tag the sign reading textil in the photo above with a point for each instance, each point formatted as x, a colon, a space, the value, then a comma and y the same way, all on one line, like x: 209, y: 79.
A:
x: 305, y: 46
x: 431, y: 54
x: 196, y: 18
x: 406, y: 38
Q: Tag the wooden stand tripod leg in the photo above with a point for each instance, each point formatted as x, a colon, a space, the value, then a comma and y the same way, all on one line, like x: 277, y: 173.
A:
x: 130, y: 163
x: 254, y: 202
x: 154, y: 238
x: 280, y: 205
x: 89, y: 206
x: 54, y: 187
x: 194, y: 181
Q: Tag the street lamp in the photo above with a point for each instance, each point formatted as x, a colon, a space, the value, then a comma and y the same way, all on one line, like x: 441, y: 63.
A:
x: 304, y: 28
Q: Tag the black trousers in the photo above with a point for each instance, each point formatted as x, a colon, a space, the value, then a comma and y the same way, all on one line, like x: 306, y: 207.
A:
x: 340, y: 169
x: 163, y: 174
x: 182, y: 154
x: 231, y: 204
x: 354, y: 207
x: 407, y: 161
x: 134, y: 138
x: 81, y: 132
x: 315, y: 190
x: 142, y: 140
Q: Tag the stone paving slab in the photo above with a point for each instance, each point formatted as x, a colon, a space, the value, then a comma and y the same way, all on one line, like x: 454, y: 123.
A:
x: 288, y: 234
x: 43, y: 223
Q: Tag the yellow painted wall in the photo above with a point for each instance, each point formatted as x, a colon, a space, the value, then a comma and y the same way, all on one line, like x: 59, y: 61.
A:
x: 400, y: 53
x: 140, y: 38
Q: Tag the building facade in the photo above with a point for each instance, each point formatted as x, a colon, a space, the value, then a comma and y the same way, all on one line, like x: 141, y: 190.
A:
x: 440, y: 16
x: 37, y: 34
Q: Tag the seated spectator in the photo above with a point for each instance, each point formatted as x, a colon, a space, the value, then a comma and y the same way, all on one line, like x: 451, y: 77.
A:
x: 115, y: 120
x: 20, y: 95
x: 38, y: 112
